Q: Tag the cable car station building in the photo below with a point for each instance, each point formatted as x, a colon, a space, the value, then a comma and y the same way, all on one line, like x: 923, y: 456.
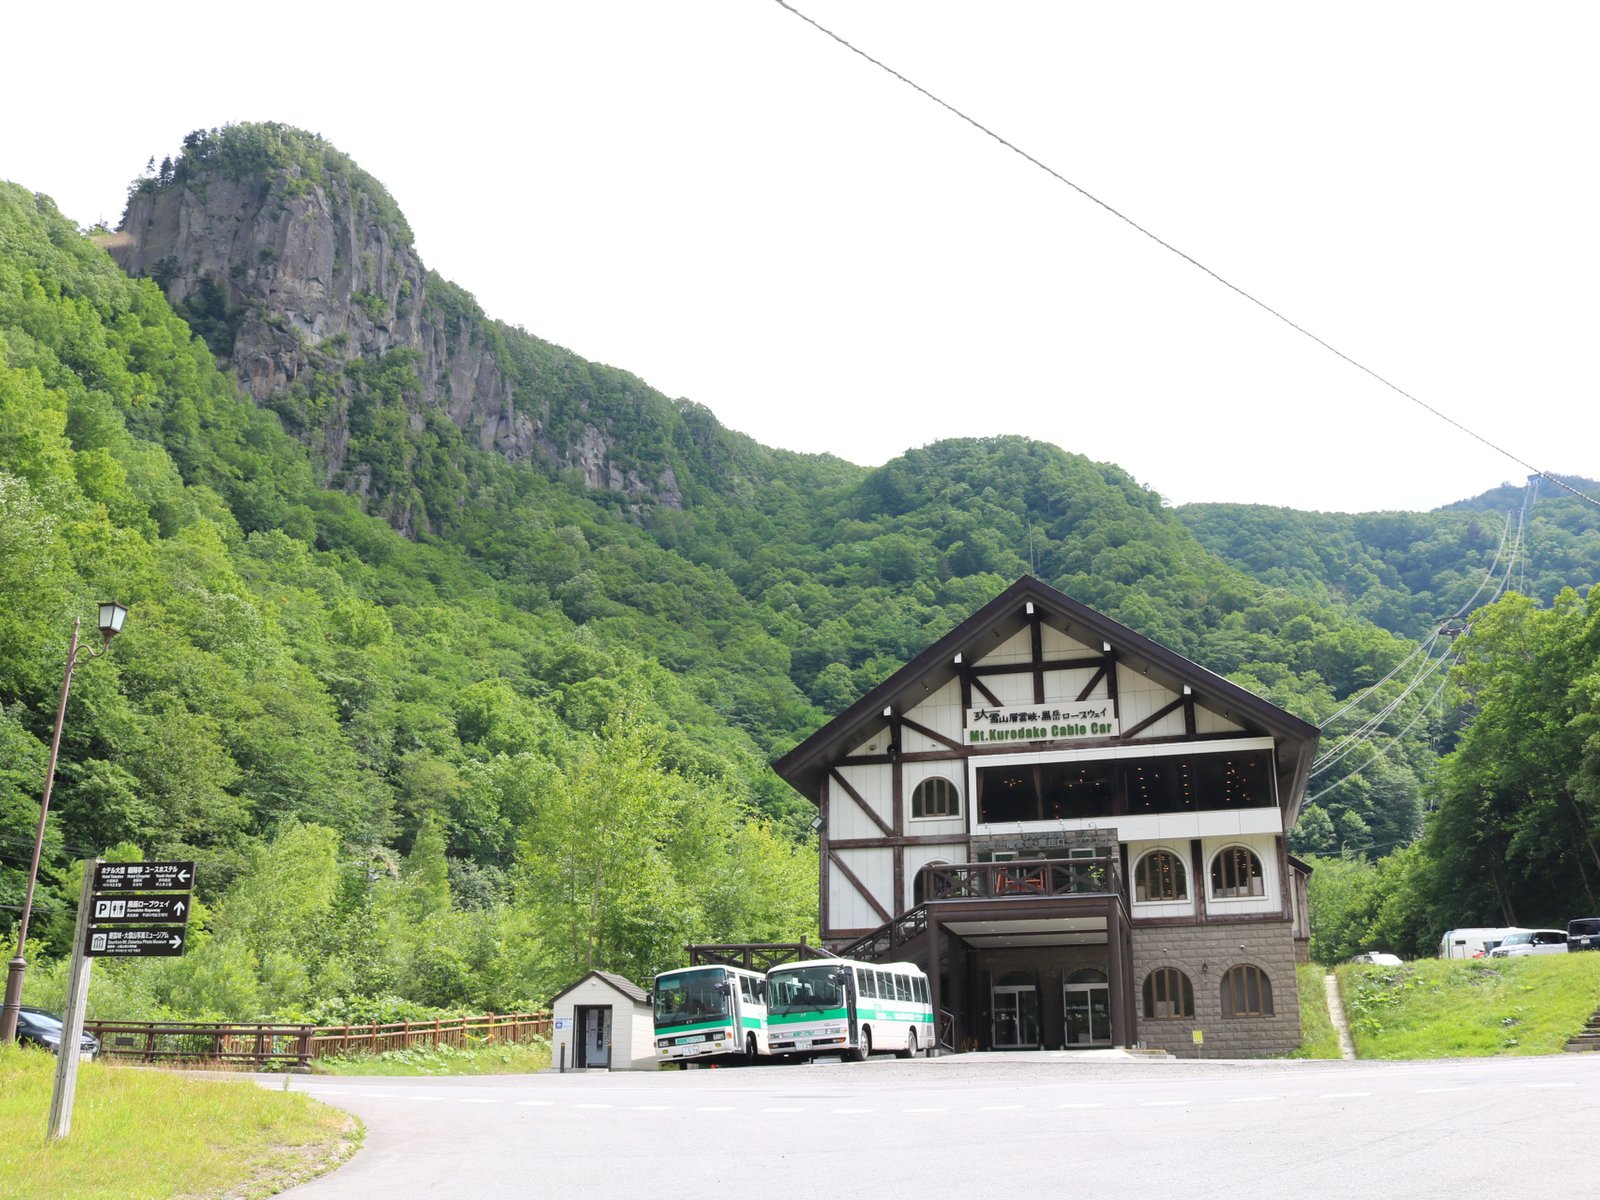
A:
x: 1076, y: 832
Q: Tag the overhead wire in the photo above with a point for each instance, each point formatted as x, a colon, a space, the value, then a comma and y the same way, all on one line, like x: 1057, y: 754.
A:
x: 1188, y: 258
x: 1370, y: 729
x: 1378, y: 751
x: 1420, y: 648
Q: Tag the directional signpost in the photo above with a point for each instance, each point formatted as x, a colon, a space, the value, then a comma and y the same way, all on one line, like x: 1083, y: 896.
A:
x: 144, y: 877
x: 135, y: 943
x: 140, y: 910
x: 112, y: 907
x: 107, y: 916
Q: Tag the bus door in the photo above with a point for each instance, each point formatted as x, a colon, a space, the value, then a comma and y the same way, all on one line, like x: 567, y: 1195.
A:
x: 846, y: 979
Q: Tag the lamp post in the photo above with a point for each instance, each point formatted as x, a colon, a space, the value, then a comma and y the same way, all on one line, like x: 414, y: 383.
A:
x: 112, y: 615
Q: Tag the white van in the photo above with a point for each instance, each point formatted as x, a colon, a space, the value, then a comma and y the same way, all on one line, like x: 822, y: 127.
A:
x: 1531, y: 941
x: 1474, y: 943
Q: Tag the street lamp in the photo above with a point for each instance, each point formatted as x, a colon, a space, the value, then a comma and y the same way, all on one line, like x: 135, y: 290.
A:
x: 112, y: 615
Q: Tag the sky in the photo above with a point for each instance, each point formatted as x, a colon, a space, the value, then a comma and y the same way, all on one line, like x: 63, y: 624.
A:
x: 721, y: 199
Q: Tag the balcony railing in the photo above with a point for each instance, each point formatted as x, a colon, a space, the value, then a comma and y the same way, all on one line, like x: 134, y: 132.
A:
x: 1022, y: 878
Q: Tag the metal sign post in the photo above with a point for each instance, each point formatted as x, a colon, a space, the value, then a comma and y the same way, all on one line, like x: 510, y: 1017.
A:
x: 72, y: 1018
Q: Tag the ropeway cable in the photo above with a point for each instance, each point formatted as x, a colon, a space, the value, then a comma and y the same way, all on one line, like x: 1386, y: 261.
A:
x: 1419, y: 648
x: 1377, y: 751
x: 1428, y: 644
x: 1370, y: 729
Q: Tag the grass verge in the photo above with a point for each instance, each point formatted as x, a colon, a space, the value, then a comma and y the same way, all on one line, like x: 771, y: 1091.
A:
x: 1318, y: 1038
x: 1444, y: 1008
x: 502, y: 1058
x: 141, y: 1134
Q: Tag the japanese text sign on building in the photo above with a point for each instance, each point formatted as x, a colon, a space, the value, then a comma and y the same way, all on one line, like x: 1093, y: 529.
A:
x: 1041, y: 722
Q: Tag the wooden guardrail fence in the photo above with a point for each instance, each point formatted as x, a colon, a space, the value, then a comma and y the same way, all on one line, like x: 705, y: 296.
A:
x: 259, y: 1044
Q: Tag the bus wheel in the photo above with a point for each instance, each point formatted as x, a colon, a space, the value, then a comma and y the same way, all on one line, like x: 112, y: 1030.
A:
x: 863, y: 1050
x: 749, y: 1047
x: 911, y: 1046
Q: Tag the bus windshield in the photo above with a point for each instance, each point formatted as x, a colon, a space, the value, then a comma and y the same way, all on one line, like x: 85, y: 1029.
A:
x: 686, y: 997
x: 803, y: 989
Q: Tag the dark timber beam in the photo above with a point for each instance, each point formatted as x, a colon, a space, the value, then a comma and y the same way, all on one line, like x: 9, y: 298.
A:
x: 833, y: 773
x: 915, y: 727
x: 1036, y: 633
x: 865, y: 892
x: 1164, y: 711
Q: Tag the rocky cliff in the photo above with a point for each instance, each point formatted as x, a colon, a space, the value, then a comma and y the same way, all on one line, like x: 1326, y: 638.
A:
x: 293, y: 264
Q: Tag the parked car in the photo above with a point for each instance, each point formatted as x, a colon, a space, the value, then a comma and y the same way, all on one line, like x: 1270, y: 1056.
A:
x: 1378, y: 958
x: 1473, y: 943
x: 1531, y: 941
x: 1583, y: 934
x: 35, y: 1027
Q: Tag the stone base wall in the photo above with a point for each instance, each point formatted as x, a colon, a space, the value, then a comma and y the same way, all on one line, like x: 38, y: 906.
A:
x: 1205, y: 953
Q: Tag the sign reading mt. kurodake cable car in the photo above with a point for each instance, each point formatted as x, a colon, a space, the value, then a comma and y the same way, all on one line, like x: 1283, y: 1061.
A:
x: 1038, y: 723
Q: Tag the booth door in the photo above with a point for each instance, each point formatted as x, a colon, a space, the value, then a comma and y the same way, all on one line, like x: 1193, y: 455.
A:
x: 592, y: 1035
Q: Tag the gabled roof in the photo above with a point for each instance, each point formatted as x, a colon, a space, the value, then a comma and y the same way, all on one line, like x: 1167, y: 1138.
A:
x: 631, y: 990
x: 805, y: 767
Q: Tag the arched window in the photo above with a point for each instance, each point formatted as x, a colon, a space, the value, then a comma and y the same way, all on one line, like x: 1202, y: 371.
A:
x: 1168, y: 993
x: 919, y: 881
x: 1246, y: 992
x: 1160, y: 876
x: 1087, y: 975
x: 936, y: 797
x: 1236, y: 872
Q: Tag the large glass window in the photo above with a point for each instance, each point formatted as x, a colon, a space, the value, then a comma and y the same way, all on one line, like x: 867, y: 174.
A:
x: 936, y: 797
x: 1168, y: 994
x: 1246, y: 992
x: 1159, y: 875
x: 1234, y: 780
x: 685, y: 997
x: 1138, y: 786
x: 804, y: 989
x: 1046, y: 791
x: 1236, y: 872
x: 1157, y: 785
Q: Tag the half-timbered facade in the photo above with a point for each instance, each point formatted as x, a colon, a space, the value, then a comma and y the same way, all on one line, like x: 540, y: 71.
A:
x: 1078, y: 833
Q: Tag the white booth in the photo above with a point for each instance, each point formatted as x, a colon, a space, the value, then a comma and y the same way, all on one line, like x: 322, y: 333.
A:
x: 602, y: 1022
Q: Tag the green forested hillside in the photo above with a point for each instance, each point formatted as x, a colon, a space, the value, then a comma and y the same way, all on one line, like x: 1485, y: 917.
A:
x: 1409, y: 571
x: 353, y: 733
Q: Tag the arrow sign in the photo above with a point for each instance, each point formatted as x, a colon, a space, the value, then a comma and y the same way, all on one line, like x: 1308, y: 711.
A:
x: 144, y: 877
x: 135, y: 943
x: 139, y: 910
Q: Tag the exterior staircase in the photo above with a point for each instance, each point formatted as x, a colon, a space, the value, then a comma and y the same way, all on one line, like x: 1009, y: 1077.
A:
x: 1589, y: 1039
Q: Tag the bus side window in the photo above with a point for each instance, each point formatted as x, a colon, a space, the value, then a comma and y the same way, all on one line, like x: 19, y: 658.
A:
x: 902, y: 988
x: 747, y: 987
x: 922, y: 989
x: 869, y: 984
x: 885, y: 985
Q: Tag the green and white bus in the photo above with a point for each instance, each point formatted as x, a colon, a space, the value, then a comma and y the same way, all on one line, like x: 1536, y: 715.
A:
x: 706, y: 1012
x: 839, y: 1006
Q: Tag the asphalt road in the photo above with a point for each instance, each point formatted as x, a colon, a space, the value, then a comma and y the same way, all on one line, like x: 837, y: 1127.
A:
x: 1041, y: 1124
